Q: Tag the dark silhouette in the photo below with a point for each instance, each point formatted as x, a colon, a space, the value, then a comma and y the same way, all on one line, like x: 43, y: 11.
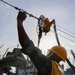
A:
x: 46, y: 65
x: 69, y: 63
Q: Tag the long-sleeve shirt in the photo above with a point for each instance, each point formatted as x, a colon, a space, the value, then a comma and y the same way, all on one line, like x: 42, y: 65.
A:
x: 41, y: 62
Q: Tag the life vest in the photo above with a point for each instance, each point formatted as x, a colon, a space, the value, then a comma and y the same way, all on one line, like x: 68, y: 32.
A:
x: 57, y: 69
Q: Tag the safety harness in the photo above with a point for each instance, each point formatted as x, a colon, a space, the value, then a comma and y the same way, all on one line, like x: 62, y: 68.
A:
x: 44, y: 26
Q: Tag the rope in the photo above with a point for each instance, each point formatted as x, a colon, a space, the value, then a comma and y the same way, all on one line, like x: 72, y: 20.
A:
x: 39, y: 35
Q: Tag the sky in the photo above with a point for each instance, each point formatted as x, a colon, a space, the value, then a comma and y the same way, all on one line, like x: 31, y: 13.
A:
x: 63, y: 11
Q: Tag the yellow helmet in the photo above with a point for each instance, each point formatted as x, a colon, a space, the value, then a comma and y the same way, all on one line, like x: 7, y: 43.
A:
x: 60, y: 51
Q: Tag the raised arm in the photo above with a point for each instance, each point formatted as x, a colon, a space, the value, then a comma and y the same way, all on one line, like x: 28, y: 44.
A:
x: 42, y: 64
x: 24, y: 40
x: 23, y: 37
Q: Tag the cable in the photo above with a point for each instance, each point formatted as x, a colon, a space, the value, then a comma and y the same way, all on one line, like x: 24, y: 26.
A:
x: 56, y: 35
x: 66, y: 30
x: 67, y: 38
x: 64, y: 37
x: 19, y: 9
x: 66, y: 33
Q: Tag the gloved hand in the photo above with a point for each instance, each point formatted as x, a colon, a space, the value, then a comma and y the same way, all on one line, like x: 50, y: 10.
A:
x: 21, y: 16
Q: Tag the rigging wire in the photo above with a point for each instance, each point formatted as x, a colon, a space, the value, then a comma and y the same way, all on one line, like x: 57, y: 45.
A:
x: 66, y: 33
x: 69, y: 34
x: 67, y: 38
x: 66, y: 30
x: 64, y: 37
x: 20, y: 9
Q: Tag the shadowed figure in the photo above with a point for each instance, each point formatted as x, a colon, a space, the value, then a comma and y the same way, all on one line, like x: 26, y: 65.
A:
x: 15, y: 59
x: 46, y: 65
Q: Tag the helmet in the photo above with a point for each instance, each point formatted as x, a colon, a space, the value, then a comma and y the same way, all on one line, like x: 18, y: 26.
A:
x: 60, y: 51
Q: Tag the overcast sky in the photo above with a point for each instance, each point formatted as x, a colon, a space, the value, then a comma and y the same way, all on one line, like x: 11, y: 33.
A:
x: 63, y: 11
